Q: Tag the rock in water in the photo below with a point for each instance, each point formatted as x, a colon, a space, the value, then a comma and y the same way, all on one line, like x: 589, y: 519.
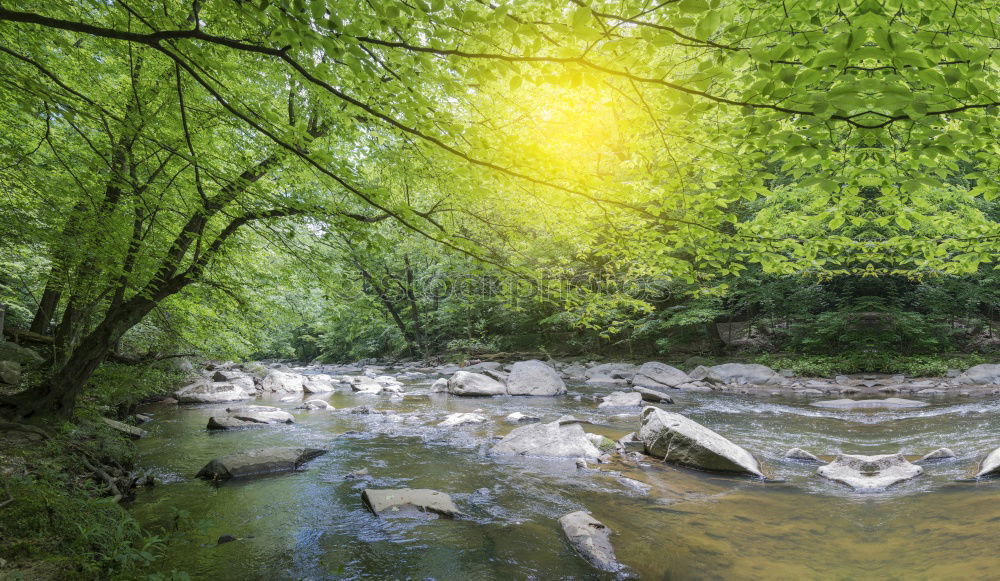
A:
x: 283, y: 382
x: 869, y: 404
x: 521, y: 418
x: 752, y: 373
x: 534, y: 378
x: 461, y: 419
x: 319, y: 383
x: 655, y: 374
x: 611, y: 373
x: 262, y: 414
x: 675, y: 438
x: 314, y: 404
x: 409, y: 500
x: 439, y: 385
x: 231, y: 423
x: 258, y: 461
x: 214, y: 392
x: 869, y: 473
x: 617, y: 399
x: 551, y: 439
x: 652, y: 395
x: 990, y: 466
x: 591, y: 538
x: 800, y: 454
x: 465, y: 383
x: 936, y: 455
x: 984, y: 374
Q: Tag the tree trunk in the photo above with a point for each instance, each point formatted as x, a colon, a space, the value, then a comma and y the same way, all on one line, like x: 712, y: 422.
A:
x: 59, y: 394
x: 46, y: 309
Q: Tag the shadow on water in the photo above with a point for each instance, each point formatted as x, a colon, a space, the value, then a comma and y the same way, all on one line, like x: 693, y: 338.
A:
x: 311, y: 524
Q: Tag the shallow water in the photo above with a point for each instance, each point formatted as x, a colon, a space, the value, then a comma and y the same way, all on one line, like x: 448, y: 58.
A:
x: 311, y: 524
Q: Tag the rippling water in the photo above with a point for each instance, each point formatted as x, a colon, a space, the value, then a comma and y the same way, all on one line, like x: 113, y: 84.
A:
x: 311, y: 524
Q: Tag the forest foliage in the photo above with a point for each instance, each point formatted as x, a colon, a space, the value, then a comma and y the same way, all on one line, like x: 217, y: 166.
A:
x: 350, y: 179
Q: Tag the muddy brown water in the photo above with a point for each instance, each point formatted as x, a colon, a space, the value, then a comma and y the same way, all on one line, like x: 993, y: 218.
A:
x: 311, y: 524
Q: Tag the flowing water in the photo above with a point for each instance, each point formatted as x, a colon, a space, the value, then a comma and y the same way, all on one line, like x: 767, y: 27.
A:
x: 311, y: 524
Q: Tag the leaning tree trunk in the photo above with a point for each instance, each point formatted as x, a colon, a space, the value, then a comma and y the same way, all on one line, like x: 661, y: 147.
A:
x: 59, y: 394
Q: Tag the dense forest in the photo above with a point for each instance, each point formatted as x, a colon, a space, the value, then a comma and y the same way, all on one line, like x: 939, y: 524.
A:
x: 811, y: 186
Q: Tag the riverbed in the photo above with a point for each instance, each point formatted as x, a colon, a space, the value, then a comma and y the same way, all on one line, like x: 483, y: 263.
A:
x: 678, y: 524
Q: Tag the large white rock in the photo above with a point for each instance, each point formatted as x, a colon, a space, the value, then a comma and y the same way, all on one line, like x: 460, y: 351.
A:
x: 534, y: 378
x: 869, y: 473
x: 990, y: 466
x: 658, y: 375
x: 551, y: 439
x: 653, y: 396
x: 283, y: 382
x: 618, y: 399
x: 984, y: 374
x: 611, y: 373
x: 319, y: 383
x: 746, y: 373
x: 678, y: 439
x: 461, y: 419
x: 465, y: 383
x: 591, y: 538
x: 262, y: 414
x: 211, y: 392
x: 258, y: 461
x: 440, y: 385
x: 406, y: 501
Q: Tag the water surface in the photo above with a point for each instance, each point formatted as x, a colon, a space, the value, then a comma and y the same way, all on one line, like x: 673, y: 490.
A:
x: 311, y: 524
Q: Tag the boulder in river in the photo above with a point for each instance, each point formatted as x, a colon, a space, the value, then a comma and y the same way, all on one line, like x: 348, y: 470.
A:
x: 746, y: 373
x: 440, y: 385
x: 521, y: 418
x: 658, y: 375
x: 890, y: 403
x: 534, y: 378
x: 611, y: 373
x: 231, y: 423
x: 314, y: 404
x: 258, y: 461
x: 466, y: 383
x: 461, y: 419
x: 591, y: 538
x: 211, y: 392
x: 283, y: 382
x: 319, y: 383
x: 621, y: 399
x: 702, y: 373
x: 937, y: 455
x: 803, y: 455
x: 261, y: 414
x: 990, y: 466
x: 869, y: 473
x: 984, y: 374
x: 551, y: 439
x: 652, y: 396
x: 675, y: 438
x: 403, y: 501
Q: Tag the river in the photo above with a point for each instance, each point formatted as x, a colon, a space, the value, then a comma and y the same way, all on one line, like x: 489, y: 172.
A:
x: 311, y: 524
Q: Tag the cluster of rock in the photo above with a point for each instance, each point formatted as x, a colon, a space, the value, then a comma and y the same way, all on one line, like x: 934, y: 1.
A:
x: 13, y: 360
x: 236, y: 382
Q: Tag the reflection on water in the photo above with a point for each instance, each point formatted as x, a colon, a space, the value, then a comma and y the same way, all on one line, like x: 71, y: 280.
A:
x: 311, y: 524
